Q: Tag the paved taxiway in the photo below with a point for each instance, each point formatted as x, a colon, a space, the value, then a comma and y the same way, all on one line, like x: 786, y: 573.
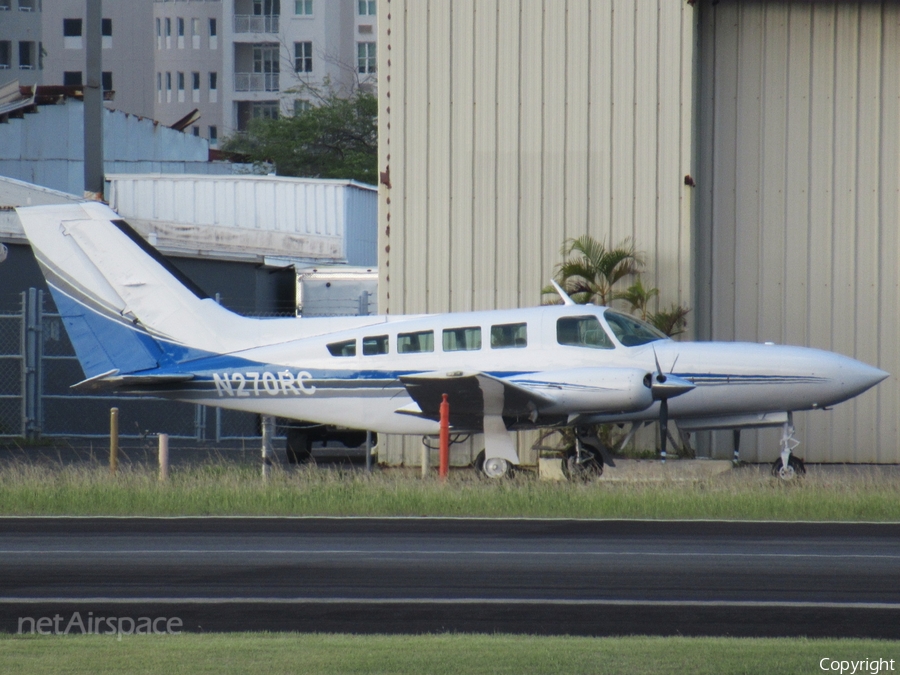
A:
x: 415, y: 575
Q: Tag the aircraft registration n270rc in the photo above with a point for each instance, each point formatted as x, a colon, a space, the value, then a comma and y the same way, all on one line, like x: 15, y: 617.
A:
x: 139, y: 327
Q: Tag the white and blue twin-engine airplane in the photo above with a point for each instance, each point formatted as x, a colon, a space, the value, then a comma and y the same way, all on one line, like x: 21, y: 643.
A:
x: 139, y: 327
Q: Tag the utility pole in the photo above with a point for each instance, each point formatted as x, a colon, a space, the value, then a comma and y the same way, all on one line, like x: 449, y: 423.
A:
x: 93, y: 103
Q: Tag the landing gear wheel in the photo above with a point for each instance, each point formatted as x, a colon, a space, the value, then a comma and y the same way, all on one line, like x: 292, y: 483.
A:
x: 495, y: 467
x: 586, y: 467
x: 794, y: 469
x: 298, y: 446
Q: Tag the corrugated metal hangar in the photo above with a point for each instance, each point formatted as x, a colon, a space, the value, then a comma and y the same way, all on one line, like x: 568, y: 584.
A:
x: 750, y: 148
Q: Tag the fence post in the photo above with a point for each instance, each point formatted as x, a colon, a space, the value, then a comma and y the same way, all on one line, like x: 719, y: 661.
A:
x: 23, y: 350
x: 31, y: 358
x: 268, y: 431
x: 163, y: 457
x: 113, y: 440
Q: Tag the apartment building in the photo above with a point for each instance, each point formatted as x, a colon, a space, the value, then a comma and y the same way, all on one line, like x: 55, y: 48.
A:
x: 20, y: 41
x: 231, y: 60
x: 187, y: 64
x: 280, y: 55
x: 127, y: 50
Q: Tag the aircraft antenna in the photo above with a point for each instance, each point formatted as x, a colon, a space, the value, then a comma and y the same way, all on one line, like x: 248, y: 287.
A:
x: 562, y: 294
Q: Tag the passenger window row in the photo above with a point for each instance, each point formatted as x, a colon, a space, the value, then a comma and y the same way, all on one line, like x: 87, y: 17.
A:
x: 503, y: 336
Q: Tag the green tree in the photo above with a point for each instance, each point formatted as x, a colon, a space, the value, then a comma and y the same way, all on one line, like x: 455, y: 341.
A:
x: 590, y: 269
x: 337, y: 138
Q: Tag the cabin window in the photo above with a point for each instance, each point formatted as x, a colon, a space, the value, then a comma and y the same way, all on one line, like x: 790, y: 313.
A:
x: 412, y: 343
x: 629, y: 331
x: 509, y: 335
x: 582, y: 331
x: 462, y: 339
x: 376, y: 344
x: 345, y: 348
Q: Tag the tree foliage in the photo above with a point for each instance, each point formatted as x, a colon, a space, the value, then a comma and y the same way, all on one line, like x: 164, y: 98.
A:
x: 338, y: 138
x: 590, y: 272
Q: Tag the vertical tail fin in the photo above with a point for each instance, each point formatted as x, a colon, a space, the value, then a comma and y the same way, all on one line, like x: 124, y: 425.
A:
x: 124, y: 306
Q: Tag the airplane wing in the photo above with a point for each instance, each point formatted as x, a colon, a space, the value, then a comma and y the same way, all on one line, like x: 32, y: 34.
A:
x: 112, y: 380
x: 472, y: 396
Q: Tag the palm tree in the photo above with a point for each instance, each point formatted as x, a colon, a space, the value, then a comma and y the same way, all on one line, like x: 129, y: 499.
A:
x: 592, y: 270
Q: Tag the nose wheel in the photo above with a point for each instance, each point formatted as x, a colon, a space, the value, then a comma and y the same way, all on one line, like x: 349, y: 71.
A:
x: 787, y: 466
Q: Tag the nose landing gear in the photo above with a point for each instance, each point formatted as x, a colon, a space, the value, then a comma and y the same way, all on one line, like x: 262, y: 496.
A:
x: 787, y: 466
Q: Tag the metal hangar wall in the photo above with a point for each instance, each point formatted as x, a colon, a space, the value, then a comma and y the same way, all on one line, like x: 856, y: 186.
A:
x: 508, y: 126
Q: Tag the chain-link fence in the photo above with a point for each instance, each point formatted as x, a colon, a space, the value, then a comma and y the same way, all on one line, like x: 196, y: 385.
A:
x: 38, y: 366
x: 11, y: 366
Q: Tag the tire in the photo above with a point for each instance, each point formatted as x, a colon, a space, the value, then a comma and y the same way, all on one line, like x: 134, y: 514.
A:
x: 590, y: 468
x: 494, y: 468
x: 796, y: 468
x: 298, y: 446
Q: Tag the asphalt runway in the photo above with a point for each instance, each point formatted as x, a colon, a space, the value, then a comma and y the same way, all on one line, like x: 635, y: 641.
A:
x: 426, y: 575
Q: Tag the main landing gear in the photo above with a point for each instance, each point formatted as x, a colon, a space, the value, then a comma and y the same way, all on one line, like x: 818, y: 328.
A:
x: 787, y: 466
x: 586, y: 460
x: 495, y: 467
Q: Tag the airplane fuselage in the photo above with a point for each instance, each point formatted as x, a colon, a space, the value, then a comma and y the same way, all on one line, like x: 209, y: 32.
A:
x: 352, y: 377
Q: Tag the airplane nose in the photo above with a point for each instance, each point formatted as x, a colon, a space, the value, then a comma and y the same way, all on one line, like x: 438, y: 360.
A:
x: 857, y: 377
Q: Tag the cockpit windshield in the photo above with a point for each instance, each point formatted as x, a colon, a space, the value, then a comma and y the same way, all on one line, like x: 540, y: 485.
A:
x: 629, y: 331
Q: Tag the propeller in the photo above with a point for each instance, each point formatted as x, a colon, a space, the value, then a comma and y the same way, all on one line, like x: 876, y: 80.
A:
x: 663, y: 387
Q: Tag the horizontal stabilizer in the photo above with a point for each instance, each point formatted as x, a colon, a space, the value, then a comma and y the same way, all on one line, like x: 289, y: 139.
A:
x: 112, y: 380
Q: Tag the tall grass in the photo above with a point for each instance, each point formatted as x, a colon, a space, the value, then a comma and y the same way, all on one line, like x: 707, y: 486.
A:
x: 226, y: 488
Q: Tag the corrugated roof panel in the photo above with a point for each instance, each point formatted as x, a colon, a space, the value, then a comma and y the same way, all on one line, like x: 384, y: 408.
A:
x: 254, y: 208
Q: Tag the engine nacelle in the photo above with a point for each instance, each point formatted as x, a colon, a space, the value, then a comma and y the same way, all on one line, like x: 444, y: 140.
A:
x: 591, y: 390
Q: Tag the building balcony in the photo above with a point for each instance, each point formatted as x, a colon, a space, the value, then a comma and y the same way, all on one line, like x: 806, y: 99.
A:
x: 256, y: 81
x: 251, y: 23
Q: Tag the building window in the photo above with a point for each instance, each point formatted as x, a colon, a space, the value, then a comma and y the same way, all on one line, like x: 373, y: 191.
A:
x: 168, y: 33
x: 301, y: 106
x: 213, y: 137
x: 159, y: 87
x: 4, y: 5
x: 168, y: 87
x: 180, y: 33
x: 195, y: 130
x: 213, y: 35
x: 72, y: 78
x: 106, y: 33
x: 106, y: 80
x: 71, y: 27
x: 181, y: 87
x: 366, y: 7
x: 195, y: 87
x: 72, y: 34
x: 5, y: 54
x: 159, y: 33
x: 303, y: 57
x: 26, y: 56
x: 26, y: 5
x: 266, y: 110
x: 365, y: 57
x: 303, y: 7
x: 213, y: 87
x: 195, y: 33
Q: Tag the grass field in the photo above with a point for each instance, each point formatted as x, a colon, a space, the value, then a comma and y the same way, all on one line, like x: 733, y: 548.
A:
x: 431, y: 654
x: 227, y: 488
